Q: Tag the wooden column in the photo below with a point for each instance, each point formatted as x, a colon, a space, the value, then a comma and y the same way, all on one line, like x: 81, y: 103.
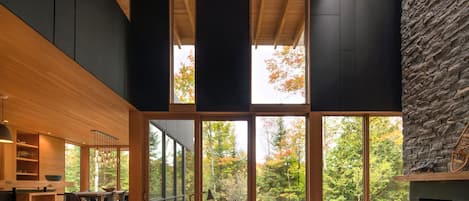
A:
x: 252, y: 158
x: 198, y: 160
x: 366, y: 157
x: 137, y: 169
x: 84, y: 168
x: 314, y: 157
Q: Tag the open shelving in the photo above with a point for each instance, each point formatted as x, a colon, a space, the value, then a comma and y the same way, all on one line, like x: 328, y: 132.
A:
x: 27, y: 156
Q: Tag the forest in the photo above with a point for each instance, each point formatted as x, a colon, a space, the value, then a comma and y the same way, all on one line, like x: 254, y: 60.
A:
x: 280, y: 173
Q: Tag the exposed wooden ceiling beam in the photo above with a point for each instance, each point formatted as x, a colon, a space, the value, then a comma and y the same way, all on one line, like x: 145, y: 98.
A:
x: 125, y: 6
x: 259, y: 22
x: 299, y: 32
x: 282, y: 23
x: 177, y: 37
x: 190, y: 14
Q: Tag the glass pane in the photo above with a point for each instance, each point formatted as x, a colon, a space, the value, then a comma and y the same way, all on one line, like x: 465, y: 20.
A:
x: 180, y: 169
x: 386, y: 159
x: 278, y: 75
x: 103, y: 168
x: 183, y: 51
x: 72, y: 168
x: 184, y: 74
x: 124, y: 169
x: 342, y: 158
x: 189, y: 173
x: 156, y: 161
x: 169, y: 167
x: 280, y: 158
x: 225, y: 159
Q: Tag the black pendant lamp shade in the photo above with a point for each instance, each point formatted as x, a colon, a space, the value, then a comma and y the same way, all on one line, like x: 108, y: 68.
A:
x: 5, y: 135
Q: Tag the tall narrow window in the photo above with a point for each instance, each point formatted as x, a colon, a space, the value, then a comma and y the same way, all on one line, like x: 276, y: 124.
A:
x: 189, y: 174
x: 225, y: 159
x: 343, y: 158
x: 179, y: 170
x: 72, y: 167
x: 386, y: 159
x: 183, y: 51
x: 280, y: 158
x: 169, y: 169
x: 124, y: 168
x: 103, y: 173
x: 156, y: 162
x: 278, y: 52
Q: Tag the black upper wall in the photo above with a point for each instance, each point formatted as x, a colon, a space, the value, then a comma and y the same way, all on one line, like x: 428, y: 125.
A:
x: 355, y: 55
x: 38, y: 14
x: 92, y: 32
x: 354, y: 50
x: 223, y: 56
x: 149, y: 55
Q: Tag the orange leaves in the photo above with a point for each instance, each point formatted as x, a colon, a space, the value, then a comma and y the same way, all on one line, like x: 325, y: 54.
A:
x: 287, y: 70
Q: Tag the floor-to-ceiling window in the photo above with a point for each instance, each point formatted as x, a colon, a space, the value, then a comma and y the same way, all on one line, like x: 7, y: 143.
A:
x: 225, y: 160
x: 345, y: 165
x: 72, y: 167
x: 280, y: 158
x: 124, y: 169
x: 171, y: 173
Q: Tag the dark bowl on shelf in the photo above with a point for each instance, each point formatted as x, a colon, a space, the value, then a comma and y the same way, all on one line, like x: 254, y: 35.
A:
x: 108, y: 189
x: 53, y: 177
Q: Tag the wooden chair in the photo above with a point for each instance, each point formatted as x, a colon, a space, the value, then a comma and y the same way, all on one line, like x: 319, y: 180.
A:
x: 460, y: 155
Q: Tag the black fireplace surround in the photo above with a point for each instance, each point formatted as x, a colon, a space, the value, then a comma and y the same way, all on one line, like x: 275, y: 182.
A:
x: 439, y: 191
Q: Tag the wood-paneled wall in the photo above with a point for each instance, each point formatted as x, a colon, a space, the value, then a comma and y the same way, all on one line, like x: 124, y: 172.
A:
x: 52, y: 158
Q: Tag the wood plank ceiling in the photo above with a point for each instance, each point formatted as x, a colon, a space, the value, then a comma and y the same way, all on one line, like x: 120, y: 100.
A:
x: 50, y: 93
x: 273, y: 22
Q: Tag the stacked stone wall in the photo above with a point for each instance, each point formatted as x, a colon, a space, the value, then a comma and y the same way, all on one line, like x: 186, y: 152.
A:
x: 435, y: 80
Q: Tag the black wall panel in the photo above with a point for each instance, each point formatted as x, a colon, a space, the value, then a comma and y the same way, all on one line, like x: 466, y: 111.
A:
x: 355, y: 55
x: 64, y: 34
x: 150, y: 61
x: 223, y: 56
x: 101, y: 41
x: 324, y: 49
x: 39, y: 14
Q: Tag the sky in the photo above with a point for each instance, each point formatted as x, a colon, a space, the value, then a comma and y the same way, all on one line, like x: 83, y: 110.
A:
x: 262, y: 91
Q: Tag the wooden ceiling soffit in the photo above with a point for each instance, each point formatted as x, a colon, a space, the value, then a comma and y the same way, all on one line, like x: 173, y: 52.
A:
x: 49, y: 92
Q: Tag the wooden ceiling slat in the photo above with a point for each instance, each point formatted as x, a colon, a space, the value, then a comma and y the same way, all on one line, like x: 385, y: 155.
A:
x: 190, y: 15
x: 270, y: 24
x: 281, y: 24
x: 176, y: 36
x: 299, y: 33
x: 259, y: 22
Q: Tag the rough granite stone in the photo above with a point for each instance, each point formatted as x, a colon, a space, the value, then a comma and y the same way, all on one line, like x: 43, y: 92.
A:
x: 435, y: 80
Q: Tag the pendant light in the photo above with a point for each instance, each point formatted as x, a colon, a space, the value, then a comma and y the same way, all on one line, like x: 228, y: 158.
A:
x: 5, y: 135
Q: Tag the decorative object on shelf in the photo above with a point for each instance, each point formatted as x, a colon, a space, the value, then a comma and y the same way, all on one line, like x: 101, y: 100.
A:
x: 5, y: 134
x: 53, y: 177
x: 460, y: 154
x: 105, y: 145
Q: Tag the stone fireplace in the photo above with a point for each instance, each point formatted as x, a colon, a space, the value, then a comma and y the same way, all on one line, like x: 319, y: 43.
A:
x: 435, y: 85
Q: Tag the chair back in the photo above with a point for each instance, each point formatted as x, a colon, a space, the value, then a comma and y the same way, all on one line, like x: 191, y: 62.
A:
x: 71, y: 197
